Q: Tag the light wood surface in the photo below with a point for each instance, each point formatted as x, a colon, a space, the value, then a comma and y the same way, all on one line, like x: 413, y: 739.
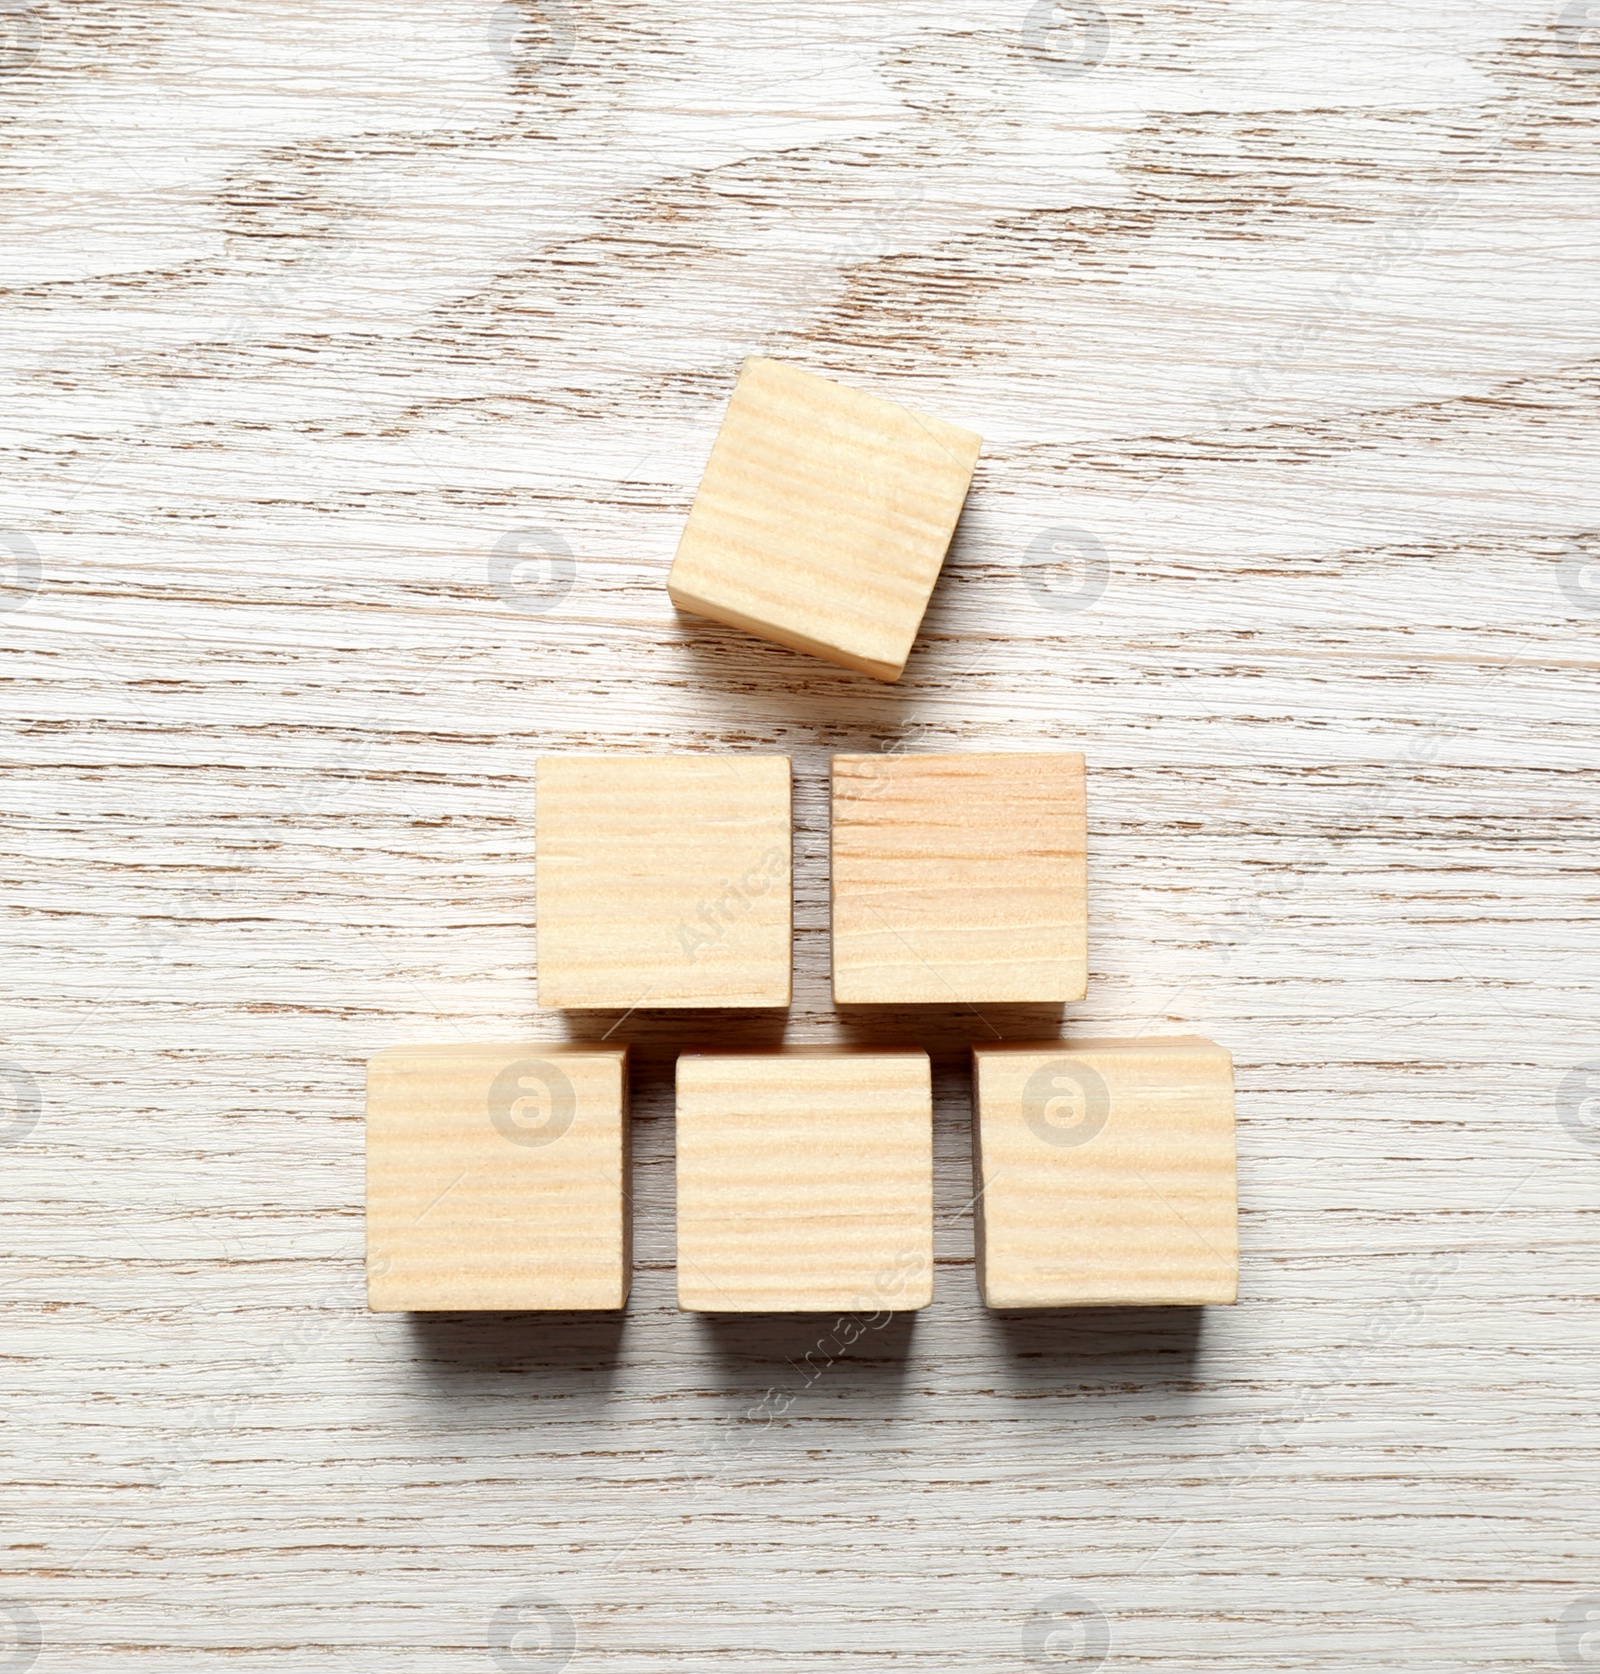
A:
x: 1104, y: 1173
x: 664, y: 881
x: 805, y: 1182
x: 958, y: 878
x: 360, y: 369
x: 823, y: 518
x: 498, y: 1177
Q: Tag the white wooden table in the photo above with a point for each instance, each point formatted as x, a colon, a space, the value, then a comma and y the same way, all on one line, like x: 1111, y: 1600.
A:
x: 360, y: 364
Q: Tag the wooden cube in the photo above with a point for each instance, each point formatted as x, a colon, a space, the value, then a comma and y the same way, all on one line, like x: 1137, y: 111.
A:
x: 805, y: 1181
x: 498, y: 1177
x: 663, y: 880
x: 1105, y: 1173
x: 959, y: 878
x: 823, y: 518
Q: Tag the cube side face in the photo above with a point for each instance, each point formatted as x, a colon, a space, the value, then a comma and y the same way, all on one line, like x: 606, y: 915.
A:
x: 664, y: 881
x: 715, y: 608
x: 959, y: 878
x: 1109, y: 1174
x: 497, y: 1178
x: 805, y: 1184
x: 823, y: 518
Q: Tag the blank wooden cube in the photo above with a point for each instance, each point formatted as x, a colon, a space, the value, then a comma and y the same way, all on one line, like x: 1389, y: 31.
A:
x: 823, y: 518
x: 663, y: 880
x: 1105, y: 1173
x: 959, y: 878
x: 498, y: 1177
x: 805, y: 1181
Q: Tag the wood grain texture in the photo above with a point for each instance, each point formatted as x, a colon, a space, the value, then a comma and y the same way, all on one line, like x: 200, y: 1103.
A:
x: 823, y: 518
x: 805, y: 1182
x: 359, y: 373
x: 958, y: 878
x: 498, y: 1177
x: 664, y: 881
x: 1104, y: 1173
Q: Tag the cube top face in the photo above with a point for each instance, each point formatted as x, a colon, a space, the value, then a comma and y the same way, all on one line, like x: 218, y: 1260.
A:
x: 823, y: 518
x: 959, y: 878
x: 1106, y: 1173
x: 663, y: 880
x: 805, y: 1182
x: 497, y: 1177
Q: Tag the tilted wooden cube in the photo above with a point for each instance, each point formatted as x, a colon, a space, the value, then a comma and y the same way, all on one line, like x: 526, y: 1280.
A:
x: 805, y: 1181
x: 959, y: 878
x: 1105, y: 1173
x: 498, y: 1177
x: 663, y: 880
x: 823, y: 518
